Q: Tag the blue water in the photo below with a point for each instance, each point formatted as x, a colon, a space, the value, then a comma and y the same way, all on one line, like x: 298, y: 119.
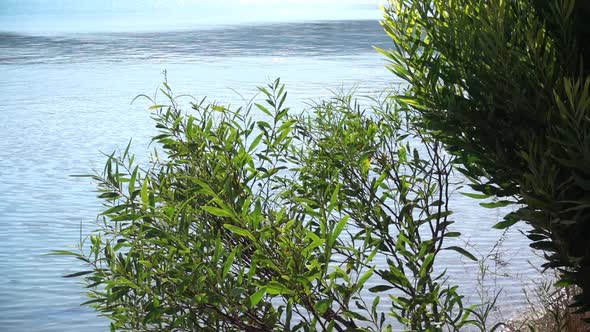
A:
x: 65, y: 93
x: 61, y: 16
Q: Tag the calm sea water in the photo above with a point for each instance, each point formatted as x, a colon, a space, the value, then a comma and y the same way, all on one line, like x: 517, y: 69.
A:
x: 65, y: 97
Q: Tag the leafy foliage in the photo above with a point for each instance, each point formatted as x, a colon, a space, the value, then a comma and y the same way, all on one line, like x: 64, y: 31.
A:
x: 276, y: 223
x: 504, y: 85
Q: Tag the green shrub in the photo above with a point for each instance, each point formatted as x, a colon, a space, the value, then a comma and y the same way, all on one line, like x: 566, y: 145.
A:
x: 276, y: 224
x: 505, y: 86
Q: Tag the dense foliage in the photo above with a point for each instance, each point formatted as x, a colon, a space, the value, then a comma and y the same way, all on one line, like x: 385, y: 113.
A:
x: 277, y: 223
x: 505, y: 85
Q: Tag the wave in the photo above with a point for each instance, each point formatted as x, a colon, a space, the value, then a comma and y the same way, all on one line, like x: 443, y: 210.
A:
x: 323, y: 38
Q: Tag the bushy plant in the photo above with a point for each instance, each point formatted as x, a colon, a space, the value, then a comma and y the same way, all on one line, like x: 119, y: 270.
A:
x: 505, y: 86
x: 276, y: 223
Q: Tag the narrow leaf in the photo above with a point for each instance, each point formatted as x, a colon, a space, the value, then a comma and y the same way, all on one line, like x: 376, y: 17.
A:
x: 462, y: 252
x: 257, y: 297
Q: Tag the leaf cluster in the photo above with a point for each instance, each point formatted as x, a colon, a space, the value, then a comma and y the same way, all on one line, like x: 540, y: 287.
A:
x: 255, y: 219
x: 505, y: 86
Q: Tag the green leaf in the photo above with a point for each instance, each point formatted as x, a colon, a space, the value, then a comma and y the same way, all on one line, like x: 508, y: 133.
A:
x: 228, y: 263
x: 505, y: 224
x: 77, y: 274
x: 219, y: 212
x: 83, y: 176
x: 425, y: 268
x: 563, y: 283
x: 363, y: 279
x: 122, y: 281
x: 380, y: 288
x: 498, y: 204
x: 157, y: 106
x: 144, y: 193
x: 263, y: 109
x: 476, y: 196
x: 133, y: 180
x: 218, y: 108
x: 109, y: 195
x: 411, y: 101
x: 334, y: 196
x: 114, y: 209
x: 544, y: 245
x: 257, y: 297
x: 339, y: 228
x: 322, y: 305
x: 462, y: 252
x: 63, y: 253
x: 276, y: 288
x: 355, y: 315
x: 255, y: 143
x: 92, y: 301
x: 263, y: 90
x: 239, y: 231
x: 145, y: 263
x: 509, y: 220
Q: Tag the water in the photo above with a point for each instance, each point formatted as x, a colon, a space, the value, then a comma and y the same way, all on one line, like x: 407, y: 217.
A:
x: 65, y: 96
